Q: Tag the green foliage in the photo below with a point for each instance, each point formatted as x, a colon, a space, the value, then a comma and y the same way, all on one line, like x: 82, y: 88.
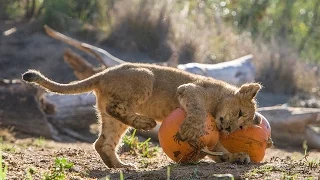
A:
x: 30, y: 171
x: 305, y: 147
x: 278, y: 33
x: 58, y: 14
x: 121, y: 175
x: 18, y: 9
x: 310, y: 163
x: 3, y: 168
x: 137, y: 147
x: 168, y: 172
x: 7, y: 147
x: 286, y: 176
x: 56, y: 11
x: 294, y: 22
x: 62, y: 14
x: 40, y: 141
x: 313, y: 164
x: 13, y: 9
x: 290, y: 22
x: 60, y: 167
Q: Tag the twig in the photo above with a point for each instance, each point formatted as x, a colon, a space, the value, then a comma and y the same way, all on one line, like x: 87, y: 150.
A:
x: 207, y: 151
x: 103, y: 56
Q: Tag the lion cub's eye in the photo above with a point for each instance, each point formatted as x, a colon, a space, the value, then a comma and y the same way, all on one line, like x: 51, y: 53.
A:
x: 240, y: 113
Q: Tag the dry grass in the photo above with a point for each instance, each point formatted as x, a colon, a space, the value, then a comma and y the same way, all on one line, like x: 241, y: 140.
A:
x: 194, y: 30
x: 281, y: 70
x: 6, y: 135
x: 161, y: 28
x: 141, y: 27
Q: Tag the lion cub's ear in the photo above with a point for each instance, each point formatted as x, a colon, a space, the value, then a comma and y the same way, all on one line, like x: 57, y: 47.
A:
x: 249, y: 91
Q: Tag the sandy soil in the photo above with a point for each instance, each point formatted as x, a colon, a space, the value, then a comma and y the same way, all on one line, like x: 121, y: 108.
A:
x: 24, y: 153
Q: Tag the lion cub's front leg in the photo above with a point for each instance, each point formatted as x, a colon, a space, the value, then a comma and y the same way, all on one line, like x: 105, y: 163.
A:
x: 192, y: 100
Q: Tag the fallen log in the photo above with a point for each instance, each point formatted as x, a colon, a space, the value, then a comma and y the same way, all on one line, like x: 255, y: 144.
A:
x: 30, y: 110
x: 292, y: 126
x: 236, y: 72
x: 72, y: 114
x: 19, y: 109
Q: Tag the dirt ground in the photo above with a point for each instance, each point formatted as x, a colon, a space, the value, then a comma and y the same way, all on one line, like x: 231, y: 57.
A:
x: 37, y: 156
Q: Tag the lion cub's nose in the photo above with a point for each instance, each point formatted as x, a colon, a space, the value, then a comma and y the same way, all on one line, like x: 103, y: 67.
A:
x: 228, y: 129
x: 221, y: 119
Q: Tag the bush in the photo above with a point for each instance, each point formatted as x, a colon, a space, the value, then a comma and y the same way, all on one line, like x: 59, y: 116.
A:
x: 61, y: 14
x: 141, y: 27
x: 196, y: 31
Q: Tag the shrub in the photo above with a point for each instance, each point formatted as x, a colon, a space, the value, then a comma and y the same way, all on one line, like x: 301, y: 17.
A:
x: 141, y: 26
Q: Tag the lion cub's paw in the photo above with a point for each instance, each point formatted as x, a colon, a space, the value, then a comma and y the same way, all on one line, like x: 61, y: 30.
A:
x: 144, y: 123
x: 190, y: 132
x: 240, y: 158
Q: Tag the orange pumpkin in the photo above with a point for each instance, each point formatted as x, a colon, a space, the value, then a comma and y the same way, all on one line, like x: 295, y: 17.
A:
x: 254, y: 140
x: 182, y: 151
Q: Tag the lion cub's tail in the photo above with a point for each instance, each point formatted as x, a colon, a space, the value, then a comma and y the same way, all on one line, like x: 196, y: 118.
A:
x: 77, y: 87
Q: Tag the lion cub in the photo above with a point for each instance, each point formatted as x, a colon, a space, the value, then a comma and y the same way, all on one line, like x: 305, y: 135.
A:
x: 138, y: 95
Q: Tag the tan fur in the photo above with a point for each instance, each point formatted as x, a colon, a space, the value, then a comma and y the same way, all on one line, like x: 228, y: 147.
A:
x: 138, y: 95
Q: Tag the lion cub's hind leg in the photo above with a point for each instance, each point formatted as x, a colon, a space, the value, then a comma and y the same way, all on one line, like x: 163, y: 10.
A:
x: 135, y: 91
x: 108, y: 142
x: 122, y: 110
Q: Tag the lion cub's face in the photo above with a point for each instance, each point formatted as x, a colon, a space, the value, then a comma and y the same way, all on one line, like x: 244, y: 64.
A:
x: 238, y: 111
